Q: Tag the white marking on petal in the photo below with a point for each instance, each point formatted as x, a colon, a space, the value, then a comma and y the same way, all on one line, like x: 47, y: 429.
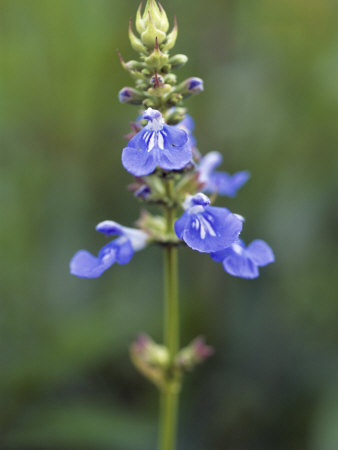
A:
x: 238, y: 249
x: 202, y: 231
x: 160, y: 140
x: 206, y: 225
x: 151, y: 142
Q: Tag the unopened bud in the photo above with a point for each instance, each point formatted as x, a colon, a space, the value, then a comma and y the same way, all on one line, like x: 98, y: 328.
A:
x: 150, y: 103
x: 175, y: 99
x: 131, y: 96
x: 148, y: 37
x: 196, y: 353
x: 191, y: 86
x: 175, y: 115
x: 134, y: 65
x: 150, y: 359
x: 160, y: 91
x: 159, y: 17
x: 171, y: 78
x: 143, y: 192
x: 178, y: 61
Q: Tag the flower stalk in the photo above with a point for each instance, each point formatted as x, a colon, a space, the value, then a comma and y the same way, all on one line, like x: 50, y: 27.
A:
x: 170, y: 172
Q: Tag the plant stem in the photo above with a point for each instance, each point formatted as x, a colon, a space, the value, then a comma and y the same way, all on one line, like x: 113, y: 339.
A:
x: 170, y: 392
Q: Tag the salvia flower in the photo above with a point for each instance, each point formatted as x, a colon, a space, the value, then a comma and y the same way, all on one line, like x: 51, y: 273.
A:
x: 220, y: 182
x: 241, y: 261
x: 120, y: 250
x: 207, y: 228
x: 156, y: 145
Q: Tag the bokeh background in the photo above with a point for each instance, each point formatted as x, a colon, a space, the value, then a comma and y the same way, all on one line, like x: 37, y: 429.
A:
x: 270, y: 106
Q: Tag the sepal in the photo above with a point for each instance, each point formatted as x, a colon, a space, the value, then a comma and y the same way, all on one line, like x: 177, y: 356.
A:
x: 157, y: 59
x: 171, y: 38
x: 135, y: 42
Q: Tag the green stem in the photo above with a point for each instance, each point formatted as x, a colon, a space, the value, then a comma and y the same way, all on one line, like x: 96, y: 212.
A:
x: 170, y: 392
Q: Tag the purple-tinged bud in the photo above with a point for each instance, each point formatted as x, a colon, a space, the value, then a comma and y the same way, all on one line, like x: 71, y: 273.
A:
x: 191, y: 86
x: 143, y: 192
x: 150, y: 359
x: 201, y: 350
x: 131, y: 96
x: 196, y: 353
x: 194, y: 85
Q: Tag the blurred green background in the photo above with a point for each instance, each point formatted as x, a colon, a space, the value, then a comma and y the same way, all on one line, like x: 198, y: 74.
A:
x: 270, y: 106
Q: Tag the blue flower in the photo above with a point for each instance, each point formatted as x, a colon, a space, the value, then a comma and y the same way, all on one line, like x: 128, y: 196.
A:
x: 220, y: 182
x: 207, y: 228
x: 156, y: 145
x: 241, y: 261
x: 188, y: 125
x: 120, y: 250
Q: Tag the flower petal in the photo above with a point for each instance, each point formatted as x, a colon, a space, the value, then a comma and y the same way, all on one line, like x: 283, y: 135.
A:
x: 139, y: 162
x: 226, y: 184
x: 124, y: 250
x: 240, y: 266
x: 109, y: 228
x: 221, y: 254
x: 207, y: 165
x: 85, y: 265
x: 174, y: 137
x: 260, y: 252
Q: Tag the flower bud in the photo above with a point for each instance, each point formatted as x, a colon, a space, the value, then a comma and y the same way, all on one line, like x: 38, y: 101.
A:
x: 178, y: 61
x: 196, y: 353
x: 175, y: 98
x: 134, y: 65
x: 150, y: 359
x: 158, y: 14
x: 149, y: 35
x: 191, y: 86
x: 175, y: 115
x: 131, y: 96
x: 160, y: 91
x: 171, y: 79
x: 150, y: 103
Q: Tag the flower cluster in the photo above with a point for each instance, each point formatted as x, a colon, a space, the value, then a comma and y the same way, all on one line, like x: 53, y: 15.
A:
x: 163, y: 157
